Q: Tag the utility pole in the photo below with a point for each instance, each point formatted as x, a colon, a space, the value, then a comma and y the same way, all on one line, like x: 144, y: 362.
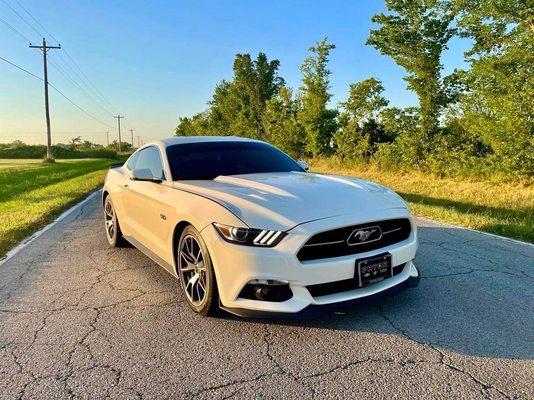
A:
x: 45, y: 48
x: 138, y: 141
x: 132, y: 131
x: 107, y: 137
x: 119, y: 120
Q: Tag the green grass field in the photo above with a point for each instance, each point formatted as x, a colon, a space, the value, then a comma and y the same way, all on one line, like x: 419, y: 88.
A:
x: 33, y: 193
x: 500, y: 208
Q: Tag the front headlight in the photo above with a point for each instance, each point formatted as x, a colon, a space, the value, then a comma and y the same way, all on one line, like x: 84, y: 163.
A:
x: 249, y: 236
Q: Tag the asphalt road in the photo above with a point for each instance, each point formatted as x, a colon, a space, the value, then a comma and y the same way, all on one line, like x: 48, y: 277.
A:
x: 81, y: 320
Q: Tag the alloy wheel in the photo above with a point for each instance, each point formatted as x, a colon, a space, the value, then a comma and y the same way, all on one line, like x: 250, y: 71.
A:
x: 110, y: 220
x: 193, y: 270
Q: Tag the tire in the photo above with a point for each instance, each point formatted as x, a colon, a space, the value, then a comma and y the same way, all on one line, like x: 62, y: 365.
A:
x: 195, y: 271
x: 111, y: 225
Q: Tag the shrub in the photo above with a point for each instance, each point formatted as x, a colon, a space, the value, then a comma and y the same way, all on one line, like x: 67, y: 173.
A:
x: 100, y: 153
x: 21, y: 150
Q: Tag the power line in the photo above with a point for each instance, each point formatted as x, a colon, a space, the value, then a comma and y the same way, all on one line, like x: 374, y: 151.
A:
x: 22, y: 69
x: 57, y: 66
x: 38, y: 23
x: 22, y: 18
x: 58, y: 91
x: 60, y: 69
x: 69, y: 78
x: 89, y: 81
x: 80, y: 108
x: 83, y: 78
x: 94, y: 88
x: 85, y: 87
x: 15, y: 30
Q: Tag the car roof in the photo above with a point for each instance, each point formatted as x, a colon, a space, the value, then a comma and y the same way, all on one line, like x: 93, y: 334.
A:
x: 201, y: 139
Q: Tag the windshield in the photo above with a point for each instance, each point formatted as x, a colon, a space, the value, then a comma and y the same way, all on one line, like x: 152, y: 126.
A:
x: 209, y: 160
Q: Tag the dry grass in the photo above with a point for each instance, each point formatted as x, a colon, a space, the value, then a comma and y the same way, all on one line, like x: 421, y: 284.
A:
x: 501, y: 208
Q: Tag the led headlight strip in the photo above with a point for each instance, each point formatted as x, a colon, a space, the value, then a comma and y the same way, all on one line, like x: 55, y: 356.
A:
x: 266, y: 238
x: 249, y: 236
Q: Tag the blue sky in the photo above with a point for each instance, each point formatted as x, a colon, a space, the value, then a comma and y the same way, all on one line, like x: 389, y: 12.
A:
x: 155, y: 61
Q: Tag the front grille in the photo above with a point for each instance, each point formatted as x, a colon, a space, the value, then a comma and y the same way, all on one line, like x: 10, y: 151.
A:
x: 335, y: 243
x: 324, y: 289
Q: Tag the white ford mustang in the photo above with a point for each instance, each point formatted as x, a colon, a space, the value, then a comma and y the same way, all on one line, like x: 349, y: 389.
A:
x: 246, y: 228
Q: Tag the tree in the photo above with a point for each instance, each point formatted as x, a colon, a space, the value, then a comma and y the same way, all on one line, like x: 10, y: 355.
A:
x: 237, y: 106
x: 319, y: 122
x: 114, y: 145
x: 402, y: 129
x: 125, y: 146
x: 399, y: 121
x: 415, y: 34
x: 17, y: 143
x: 498, y: 106
x: 74, y: 143
x: 281, y: 123
x: 365, y: 100
x: 359, y: 131
x: 198, y: 125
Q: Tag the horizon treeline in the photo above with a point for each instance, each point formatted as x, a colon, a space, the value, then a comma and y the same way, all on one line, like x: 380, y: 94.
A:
x: 75, y: 148
x: 475, y: 122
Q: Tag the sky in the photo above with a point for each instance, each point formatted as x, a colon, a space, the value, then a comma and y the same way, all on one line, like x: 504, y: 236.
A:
x: 155, y: 61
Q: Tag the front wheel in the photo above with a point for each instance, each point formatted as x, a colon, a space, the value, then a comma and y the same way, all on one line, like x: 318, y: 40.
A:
x: 195, y: 271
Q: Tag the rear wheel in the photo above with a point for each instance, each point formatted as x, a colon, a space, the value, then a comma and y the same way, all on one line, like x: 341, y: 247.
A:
x: 111, y: 225
x: 195, y: 271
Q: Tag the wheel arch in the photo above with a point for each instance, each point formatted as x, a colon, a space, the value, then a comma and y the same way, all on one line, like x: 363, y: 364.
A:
x: 105, y: 194
x: 178, y: 229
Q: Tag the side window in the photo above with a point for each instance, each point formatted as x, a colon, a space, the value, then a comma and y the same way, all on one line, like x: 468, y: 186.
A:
x: 150, y: 159
x: 132, y: 161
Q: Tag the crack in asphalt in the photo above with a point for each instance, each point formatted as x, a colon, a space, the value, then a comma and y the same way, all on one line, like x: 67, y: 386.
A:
x: 479, y: 257
x: 472, y: 270
x: 443, y: 357
x: 229, y: 384
x: 64, y: 379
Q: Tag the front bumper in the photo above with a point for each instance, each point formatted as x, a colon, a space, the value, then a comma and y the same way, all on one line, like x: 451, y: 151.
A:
x: 237, y: 265
x: 314, y: 310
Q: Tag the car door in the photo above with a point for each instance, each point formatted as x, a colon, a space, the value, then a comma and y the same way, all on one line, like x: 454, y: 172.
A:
x: 142, y: 205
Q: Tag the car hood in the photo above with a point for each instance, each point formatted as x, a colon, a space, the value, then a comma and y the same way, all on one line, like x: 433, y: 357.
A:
x: 280, y: 201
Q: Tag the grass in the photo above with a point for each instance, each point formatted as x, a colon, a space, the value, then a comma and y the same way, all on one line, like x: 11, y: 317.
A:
x: 33, y: 193
x: 504, y: 209
x: 26, y: 163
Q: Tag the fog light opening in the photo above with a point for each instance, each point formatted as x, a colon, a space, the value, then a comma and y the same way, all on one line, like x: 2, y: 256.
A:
x: 267, y: 290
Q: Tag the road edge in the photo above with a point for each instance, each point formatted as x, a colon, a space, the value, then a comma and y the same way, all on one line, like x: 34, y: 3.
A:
x: 507, y: 239
x: 26, y: 241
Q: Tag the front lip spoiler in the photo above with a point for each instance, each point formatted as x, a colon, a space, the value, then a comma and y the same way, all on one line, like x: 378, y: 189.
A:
x: 314, y: 310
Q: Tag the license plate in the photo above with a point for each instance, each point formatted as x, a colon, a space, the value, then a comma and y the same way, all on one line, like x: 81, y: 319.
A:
x: 374, y: 269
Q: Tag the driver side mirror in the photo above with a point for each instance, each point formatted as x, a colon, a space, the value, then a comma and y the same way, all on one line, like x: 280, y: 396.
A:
x: 143, y: 174
x: 304, y: 165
